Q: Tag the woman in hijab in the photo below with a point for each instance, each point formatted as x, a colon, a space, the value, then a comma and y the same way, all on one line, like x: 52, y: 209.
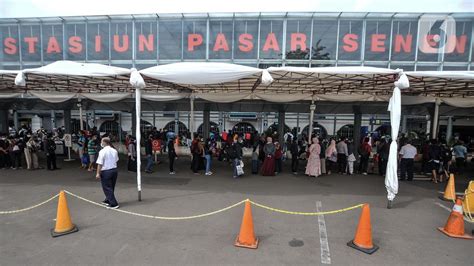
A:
x: 313, y: 168
x: 331, y: 157
x: 268, y: 167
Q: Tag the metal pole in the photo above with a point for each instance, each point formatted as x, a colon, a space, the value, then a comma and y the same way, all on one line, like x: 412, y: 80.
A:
x: 297, y: 124
x: 191, y: 119
x: 138, y: 135
x: 312, y: 107
x: 449, y: 129
x: 434, y: 132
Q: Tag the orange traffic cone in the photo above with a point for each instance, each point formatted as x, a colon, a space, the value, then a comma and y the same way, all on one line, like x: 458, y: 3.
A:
x: 363, y: 237
x: 64, y: 224
x: 246, y: 237
x: 450, y: 191
x: 455, y: 225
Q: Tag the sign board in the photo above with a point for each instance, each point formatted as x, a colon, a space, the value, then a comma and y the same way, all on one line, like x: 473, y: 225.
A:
x: 156, y: 145
x: 67, y: 140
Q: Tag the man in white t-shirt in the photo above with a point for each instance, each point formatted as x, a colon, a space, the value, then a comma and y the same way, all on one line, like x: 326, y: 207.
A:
x: 407, y: 155
x: 107, y: 172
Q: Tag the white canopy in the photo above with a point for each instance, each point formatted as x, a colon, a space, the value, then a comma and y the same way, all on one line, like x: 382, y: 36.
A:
x: 69, y: 76
x: 204, y: 73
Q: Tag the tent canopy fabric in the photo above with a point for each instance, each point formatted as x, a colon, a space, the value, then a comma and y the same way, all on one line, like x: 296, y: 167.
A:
x: 69, y: 76
x: 206, y: 77
x: 223, y: 82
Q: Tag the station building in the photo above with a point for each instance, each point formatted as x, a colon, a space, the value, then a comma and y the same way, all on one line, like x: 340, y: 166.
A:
x: 386, y: 40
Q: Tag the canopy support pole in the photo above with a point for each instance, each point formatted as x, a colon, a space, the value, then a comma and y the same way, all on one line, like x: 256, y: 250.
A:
x: 138, y: 96
x: 312, y: 107
x: 449, y: 129
x: 81, y: 121
x: 434, y: 131
x: 191, y: 120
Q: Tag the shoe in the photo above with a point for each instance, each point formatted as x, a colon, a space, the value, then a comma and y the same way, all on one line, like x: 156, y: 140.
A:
x: 105, y: 203
x: 364, y: 173
x: 148, y: 172
x: 295, y: 173
x: 235, y: 177
x: 389, y: 204
x: 114, y: 207
x: 172, y: 173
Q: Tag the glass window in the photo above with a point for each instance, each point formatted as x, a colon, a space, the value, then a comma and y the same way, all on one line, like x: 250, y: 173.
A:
x: 324, y: 39
x: 75, y: 41
x: 346, y: 131
x: 171, y: 40
x: 53, y: 42
x: 404, y: 39
x: 245, y: 38
x: 121, y: 38
x: 98, y: 41
x: 9, y: 44
x: 298, y: 34
x: 377, y: 40
x: 457, y: 47
x: 455, y: 68
x: 427, y: 67
x: 350, y: 36
x: 402, y: 66
x: 220, y: 40
x: 146, y: 40
x: 195, y: 39
x: 271, y: 39
x: 30, y: 47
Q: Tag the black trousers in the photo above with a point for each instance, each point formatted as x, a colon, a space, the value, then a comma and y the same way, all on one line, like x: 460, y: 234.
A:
x: 278, y: 165
x: 195, y: 163
x: 406, y: 169
x: 341, y: 162
x: 51, y: 161
x: 172, y: 158
x: 364, y: 164
x: 108, y: 178
x: 294, y: 163
x: 132, y: 164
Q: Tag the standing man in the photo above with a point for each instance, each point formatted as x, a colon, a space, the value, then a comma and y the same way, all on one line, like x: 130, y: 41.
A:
x: 460, y: 152
x: 107, y: 172
x: 50, y: 149
x: 149, y: 154
x: 342, y: 154
x: 407, y: 156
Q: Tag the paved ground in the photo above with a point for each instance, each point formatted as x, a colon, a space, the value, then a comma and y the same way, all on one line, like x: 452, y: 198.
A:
x: 406, y: 235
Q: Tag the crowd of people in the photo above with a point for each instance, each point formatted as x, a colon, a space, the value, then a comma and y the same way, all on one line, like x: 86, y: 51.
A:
x: 24, y: 146
x: 270, y: 154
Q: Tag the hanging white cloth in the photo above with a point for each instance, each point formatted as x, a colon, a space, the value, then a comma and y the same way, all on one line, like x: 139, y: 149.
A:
x: 395, y: 108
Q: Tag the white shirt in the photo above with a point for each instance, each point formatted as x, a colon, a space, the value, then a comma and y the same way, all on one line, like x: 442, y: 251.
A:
x: 408, y: 151
x: 108, y: 158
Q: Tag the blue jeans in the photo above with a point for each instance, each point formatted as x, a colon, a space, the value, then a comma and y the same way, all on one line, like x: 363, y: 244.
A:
x: 108, y: 178
x: 149, y: 163
x: 208, y: 162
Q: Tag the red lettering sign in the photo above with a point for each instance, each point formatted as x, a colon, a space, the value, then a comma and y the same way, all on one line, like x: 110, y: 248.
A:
x: 194, y: 40
x: 221, y: 43
x: 31, y: 41
x: 121, y: 48
x: 298, y: 40
x: 10, y: 46
x: 53, y: 46
x: 271, y: 43
x: 246, y: 44
x: 350, y: 42
x: 147, y: 42
x: 378, y: 43
x: 456, y: 43
x: 401, y: 43
x: 75, y: 44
